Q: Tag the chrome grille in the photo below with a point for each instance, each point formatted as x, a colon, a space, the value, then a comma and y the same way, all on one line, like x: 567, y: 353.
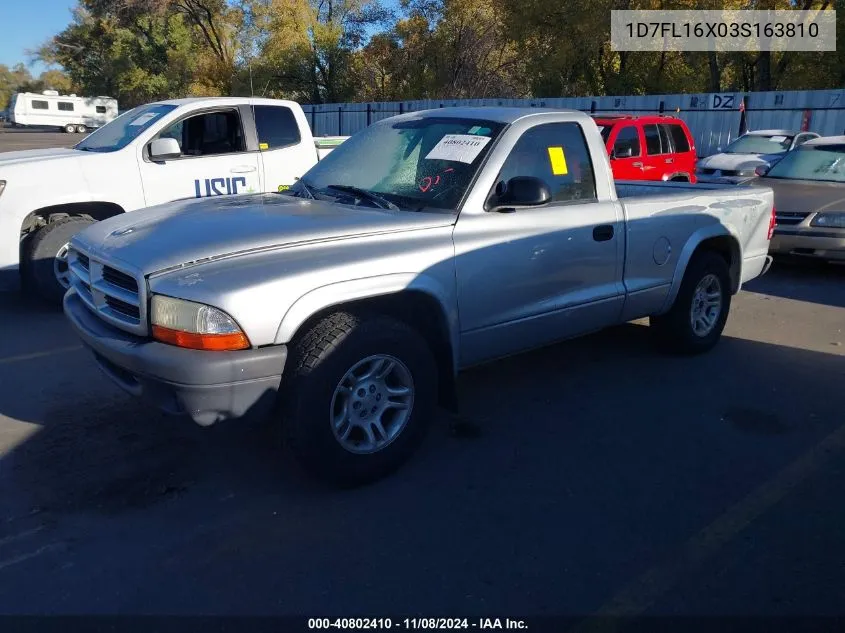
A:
x: 120, y: 279
x: 785, y: 218
x: 113, y: 294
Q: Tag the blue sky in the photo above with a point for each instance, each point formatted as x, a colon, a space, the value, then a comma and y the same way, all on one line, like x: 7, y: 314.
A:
x: 28, y: 23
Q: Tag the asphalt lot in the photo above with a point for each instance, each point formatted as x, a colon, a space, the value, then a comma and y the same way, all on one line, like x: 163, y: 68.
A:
x: 593, y: 477
x: 14, y: 139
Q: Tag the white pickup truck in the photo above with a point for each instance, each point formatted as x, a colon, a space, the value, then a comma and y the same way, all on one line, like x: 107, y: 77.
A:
x: 155, y: 153
x: 424, y: 244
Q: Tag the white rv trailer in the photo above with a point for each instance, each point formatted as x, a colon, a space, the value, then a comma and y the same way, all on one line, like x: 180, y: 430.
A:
x: 66, y: 112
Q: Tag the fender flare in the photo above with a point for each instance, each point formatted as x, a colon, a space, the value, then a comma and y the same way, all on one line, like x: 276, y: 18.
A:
x: 692, y: 244
x: 343, y: 292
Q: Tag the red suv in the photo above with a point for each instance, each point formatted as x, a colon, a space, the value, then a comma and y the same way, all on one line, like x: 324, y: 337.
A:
x: 653, y: 147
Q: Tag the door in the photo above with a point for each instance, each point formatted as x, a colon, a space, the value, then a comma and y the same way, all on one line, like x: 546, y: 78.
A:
x: 539, y: 274
x: 657, y: 160
x: 284, y: 155
x: 681, y: 150
x: 626, y: 153
x: 215, y: 160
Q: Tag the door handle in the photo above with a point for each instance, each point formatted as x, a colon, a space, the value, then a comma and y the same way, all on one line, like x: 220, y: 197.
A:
x: 637, y: 164
x: 669, y: 161
x: 603, y: 233
x: 242, y: 169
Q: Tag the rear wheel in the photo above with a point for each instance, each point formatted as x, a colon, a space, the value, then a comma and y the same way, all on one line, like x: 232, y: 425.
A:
x: 46, y: 258
x: 81, y: 129
x: 69, y: 128
x: 695, y: 321
x: 359, y: 398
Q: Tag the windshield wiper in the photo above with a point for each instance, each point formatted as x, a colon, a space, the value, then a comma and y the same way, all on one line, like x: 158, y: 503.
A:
x: 367, y: 195
x: 306, y: 187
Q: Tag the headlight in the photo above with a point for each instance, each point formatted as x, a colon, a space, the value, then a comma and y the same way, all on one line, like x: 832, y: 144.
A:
x: 2, y: 186
x: 832, y: 219
x: 748, y: 170
x: 194, y: 325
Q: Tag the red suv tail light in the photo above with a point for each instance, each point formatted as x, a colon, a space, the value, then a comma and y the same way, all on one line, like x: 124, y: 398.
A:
x: 772, y: 223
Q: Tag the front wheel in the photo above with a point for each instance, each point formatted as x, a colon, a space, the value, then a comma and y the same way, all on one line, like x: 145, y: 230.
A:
x: 81, y: 129
x: 69, y: 128
x: 46, y: 258
x: 359, y: 397
x: 695, y: 322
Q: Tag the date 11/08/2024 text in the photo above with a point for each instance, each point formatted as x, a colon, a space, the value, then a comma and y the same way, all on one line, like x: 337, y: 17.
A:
x: 431, y: 624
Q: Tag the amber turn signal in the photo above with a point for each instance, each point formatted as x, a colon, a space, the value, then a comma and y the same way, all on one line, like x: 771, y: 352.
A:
x: 209, y: 342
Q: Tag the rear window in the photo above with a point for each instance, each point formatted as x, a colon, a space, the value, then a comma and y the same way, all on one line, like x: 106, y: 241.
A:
x: 652, y: 139
x: 40, y: 105
x: 679, y: 137
x: 101, y: 109
x: 276, y: 127
x: 65, y: 106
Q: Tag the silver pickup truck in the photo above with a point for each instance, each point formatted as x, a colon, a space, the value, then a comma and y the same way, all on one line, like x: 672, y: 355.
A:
x: 424, y: 244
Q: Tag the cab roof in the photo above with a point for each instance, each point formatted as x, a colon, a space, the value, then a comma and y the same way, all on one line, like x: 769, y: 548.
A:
x: 500, y: 114
x: 827, y: 140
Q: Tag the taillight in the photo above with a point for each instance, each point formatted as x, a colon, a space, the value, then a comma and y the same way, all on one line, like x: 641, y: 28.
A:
x: 772, y: 224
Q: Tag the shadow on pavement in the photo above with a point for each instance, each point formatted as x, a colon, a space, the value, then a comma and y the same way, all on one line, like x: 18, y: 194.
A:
x: 574, y: 466
x: 803, y: 280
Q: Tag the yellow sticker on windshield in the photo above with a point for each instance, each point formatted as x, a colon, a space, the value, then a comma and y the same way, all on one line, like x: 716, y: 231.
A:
x: 263, y: 146
x: 558, y: 161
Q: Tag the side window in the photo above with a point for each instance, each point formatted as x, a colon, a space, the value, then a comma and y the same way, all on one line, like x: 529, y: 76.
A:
x: 276, y: 127
x: 556, y: 153
x: 101, y: 109
x: 627, y: 143
x: 39, y: 105
x: 208, y: 134
x: 679, y: 137
x: 803, y: 138
x: 665, y: 140
x: 652, y: 139
x: 65, y: 106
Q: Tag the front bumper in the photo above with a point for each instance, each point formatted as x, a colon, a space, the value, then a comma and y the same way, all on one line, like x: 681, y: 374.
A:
x: 206, y: 386
x: 816, y: 243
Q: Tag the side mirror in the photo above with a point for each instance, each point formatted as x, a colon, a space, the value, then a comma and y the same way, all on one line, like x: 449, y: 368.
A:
x: 521, y: 191
x: 165, y: 149
x: 625, y: 152
x: 761, y: 170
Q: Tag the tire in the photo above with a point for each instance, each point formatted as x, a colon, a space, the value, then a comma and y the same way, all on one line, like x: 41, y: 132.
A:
x: 81, y: 129
x: 41, y: 253
x: 675, y: 331
x: 69, y: 128
x: 319, y: 362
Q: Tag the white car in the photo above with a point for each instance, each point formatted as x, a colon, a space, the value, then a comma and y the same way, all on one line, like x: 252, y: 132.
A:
x: 155, y: 153
x: 739, y: 161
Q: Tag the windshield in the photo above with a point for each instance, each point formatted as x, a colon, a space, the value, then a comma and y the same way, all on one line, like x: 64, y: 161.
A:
x: 124, y: 129
x: 759, y: 144
x: 824, y: 163
x: 426, y: 163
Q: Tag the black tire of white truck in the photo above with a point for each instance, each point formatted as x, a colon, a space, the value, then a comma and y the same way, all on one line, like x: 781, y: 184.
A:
x: 40, y: 253
x: 675, y: 330
x: 320, y: 362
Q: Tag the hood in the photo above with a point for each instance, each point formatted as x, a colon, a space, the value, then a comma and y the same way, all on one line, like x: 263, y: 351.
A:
x: 8, y: 159
x: 734, y: 161
x: 185, y: 232
x: 804, y: 196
